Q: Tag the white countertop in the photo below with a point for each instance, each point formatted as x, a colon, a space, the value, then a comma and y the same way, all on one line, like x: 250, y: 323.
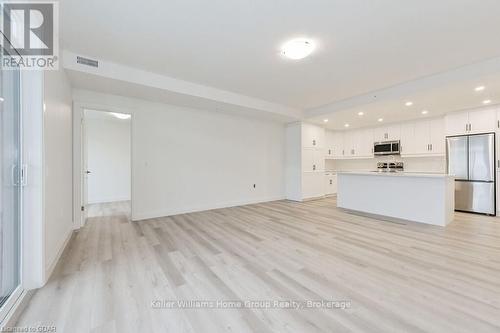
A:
x: 396, y: 174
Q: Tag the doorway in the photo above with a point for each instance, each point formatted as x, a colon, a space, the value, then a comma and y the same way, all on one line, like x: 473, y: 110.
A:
x: 106, y: 150
x: 11, y: 182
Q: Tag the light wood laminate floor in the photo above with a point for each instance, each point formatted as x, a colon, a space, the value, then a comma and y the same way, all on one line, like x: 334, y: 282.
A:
x: 398, y: 277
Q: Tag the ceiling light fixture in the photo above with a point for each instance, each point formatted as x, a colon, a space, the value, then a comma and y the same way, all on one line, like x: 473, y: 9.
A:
x: 346, y: 125
x: 298, y: 48
x: 1, y: 99
x: 122, y: 116
x: 361, y: 113
x: 480, y: 88
x: 425, y: 112
x: 409, y: 103
x: 488, y: 101
x: 325, y: 120
x: 380, y: 120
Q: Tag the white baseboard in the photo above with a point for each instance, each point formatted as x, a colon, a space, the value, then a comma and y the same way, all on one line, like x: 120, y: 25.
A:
x: 108, y: 200
x: 50, y: 268
x: 184, y: 210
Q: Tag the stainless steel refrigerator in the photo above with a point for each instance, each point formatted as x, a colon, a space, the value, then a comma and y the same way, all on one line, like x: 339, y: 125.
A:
x: 471, y: 159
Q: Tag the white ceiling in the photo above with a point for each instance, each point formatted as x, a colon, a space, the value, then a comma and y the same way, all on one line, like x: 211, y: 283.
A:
x: 437, y: 102
x: 364, y: 45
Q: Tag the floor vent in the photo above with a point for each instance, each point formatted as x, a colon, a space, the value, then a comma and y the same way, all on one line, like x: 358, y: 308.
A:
x: 87, y: 61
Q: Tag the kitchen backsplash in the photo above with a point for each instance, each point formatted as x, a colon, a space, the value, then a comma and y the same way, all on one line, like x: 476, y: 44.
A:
x: 412, y: 164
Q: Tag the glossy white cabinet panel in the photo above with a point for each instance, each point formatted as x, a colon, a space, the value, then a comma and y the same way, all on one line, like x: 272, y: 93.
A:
x: 387, y: 133
x: 437, y: 136
x: 457, y: 123
x: 482, y: 121
x: 330, y: 183
x: 471, y: 122
x: 313, y: 185
x: 313, y: 136
x: 408, y: 141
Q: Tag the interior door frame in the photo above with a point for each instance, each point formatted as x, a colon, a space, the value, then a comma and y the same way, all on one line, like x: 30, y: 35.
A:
x: 78, y: 167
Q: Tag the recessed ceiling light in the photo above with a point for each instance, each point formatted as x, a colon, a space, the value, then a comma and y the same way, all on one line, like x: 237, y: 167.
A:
x: 480, y: 88
x: 361, y: 113
x: 425, y: 112
x: 488, y: 101
x: 380, y: 120
x: 325, y: 120
x: 1, y: 99
x: 121, y: 115
x: 346, y: 125
x: 298, y: 48
x: 409, y: 103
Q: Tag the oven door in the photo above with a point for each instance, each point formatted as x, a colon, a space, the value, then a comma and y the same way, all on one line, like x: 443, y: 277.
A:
x: 382, y: 148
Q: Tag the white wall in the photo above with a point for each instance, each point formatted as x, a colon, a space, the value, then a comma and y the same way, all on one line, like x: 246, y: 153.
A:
x: 188, y: 160
x: 58, y: 167
x: 108, y: 157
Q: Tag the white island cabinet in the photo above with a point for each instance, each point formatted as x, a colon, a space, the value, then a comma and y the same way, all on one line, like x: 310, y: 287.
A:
x: 417, y: 197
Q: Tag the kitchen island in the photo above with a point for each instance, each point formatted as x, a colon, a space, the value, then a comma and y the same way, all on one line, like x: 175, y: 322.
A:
x: 419, y: 197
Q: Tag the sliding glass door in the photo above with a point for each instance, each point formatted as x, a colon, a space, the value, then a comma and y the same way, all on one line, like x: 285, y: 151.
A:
x: 10, y: 186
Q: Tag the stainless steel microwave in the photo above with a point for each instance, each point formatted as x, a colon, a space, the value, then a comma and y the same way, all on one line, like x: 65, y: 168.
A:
x: 387, y: 148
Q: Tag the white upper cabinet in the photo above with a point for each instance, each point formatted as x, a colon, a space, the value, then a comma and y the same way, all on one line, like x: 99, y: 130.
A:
x: 408, y: 141
x: 338, y: 144
x: 379, y: 134
x: 313, y: 136
x: 394, y: 132
x: 437, y: 137
x: 424, y: 137
x: 365, y: 143
x: 329, y: 144
x: 387, y: 133
x: 457, y: 123
x: 358, y: 143
x: 334, y: 144
x: 471, y: 122
x: 482, y: 121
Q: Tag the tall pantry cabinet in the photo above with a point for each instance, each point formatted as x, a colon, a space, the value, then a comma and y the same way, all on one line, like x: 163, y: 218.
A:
x: 305, y: 161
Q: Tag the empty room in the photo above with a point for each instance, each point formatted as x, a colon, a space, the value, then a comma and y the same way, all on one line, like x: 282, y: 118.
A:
x: 250, y: 166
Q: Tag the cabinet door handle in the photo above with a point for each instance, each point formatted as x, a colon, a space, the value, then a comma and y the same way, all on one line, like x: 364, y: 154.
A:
x: 331, y: 182
x: 314, y: 142
x: 314, y: 167
x: 329, y: 151
x: 431, y: 146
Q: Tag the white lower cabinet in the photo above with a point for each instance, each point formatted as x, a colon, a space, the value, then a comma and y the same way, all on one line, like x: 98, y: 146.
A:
x: 330, y: 183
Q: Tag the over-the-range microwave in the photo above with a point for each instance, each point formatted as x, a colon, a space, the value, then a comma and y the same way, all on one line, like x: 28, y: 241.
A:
x: 386, y: 148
